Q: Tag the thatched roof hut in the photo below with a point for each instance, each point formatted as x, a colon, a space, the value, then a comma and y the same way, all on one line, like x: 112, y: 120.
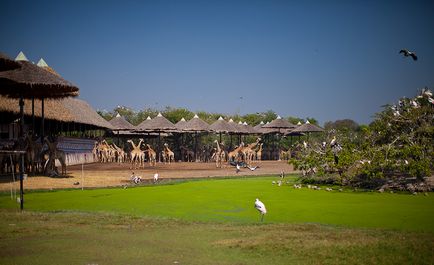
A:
x: 307, y: 128
x: 180, y: 125
x: 157, y: 124
x: 32, y: 81
x: 142, y: 125
x: 222, y: 126
x: 119, y: 123
x: 196, y: 125
x: 7, y: 64
x: 249, y: 129
x: 65, y: 110
x: 279, y: 125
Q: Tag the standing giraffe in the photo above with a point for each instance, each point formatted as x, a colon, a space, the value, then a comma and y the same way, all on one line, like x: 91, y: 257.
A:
x: 235, y: 154
x: 259, y: 152
x: 137, y: 154
x: 168, y: 155
x: 152, y: 155
x: 219, y: 154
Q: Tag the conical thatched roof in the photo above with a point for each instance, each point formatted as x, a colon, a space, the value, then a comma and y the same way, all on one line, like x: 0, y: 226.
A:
x: 142, y: 125
x: 235, y: 126
x: 7, y: 63
x: 30, y: 80
x: 279, y: 123
x: 121, y: 124
x: 84, y: 113
x: 158, y: 124
x: 65, y: 110
x: 222, y: 126
x: 180, y: 125
x: 307, y: 127
x: 196, y: 125
x: 249, y: 129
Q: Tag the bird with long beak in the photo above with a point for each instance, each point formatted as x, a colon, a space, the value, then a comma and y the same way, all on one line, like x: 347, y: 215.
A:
x: 260, y: 206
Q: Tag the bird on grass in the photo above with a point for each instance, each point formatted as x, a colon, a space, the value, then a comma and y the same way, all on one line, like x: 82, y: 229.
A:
x: 238, y: 168
x: 260, y: 206
x: 409, y: 53
x: 156, y: 177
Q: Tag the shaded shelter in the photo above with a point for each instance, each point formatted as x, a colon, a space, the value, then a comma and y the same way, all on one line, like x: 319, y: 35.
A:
x: 196, y: 125
x: 31, y: 81
x: 306, y: 128
x: 158, y: 125
x: 278, y: 126
x: 119, y: 123
x: 221, y: 126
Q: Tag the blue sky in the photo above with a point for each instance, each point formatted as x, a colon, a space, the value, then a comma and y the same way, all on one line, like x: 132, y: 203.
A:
x: 324, y: 59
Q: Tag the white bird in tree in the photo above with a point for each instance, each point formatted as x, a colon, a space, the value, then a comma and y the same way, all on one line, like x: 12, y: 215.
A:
x: 409, y: 53
x: 260, y: 206
x: 333, y: 141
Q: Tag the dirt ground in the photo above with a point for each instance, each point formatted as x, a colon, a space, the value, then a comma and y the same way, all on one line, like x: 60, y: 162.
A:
x: 113, y: 174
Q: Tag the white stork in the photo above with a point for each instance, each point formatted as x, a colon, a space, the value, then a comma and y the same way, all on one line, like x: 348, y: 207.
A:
x: 260, y: 206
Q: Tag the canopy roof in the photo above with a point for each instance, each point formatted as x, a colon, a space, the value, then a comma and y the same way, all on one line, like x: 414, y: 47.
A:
x: 222, y: 126
x: 180, y: 125
x: 121, y: 124
x: 7, y: 63
x: 157, y: 124
x: 65, y: 110
x: 307, y: 127
x: 32, y: 81
x: 196, y: 125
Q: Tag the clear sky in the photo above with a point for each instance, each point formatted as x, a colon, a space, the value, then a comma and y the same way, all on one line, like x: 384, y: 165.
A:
x: 324, y: 59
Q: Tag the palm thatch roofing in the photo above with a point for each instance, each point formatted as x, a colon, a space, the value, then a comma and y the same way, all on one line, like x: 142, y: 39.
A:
x: 249, y: 129
x: 196, y: 125
x: 279, y: 123
x: 222, y: 126
x: 64, y: 110
x: 32, y: 81
x: 307, y: 127
x: 7, y: 63
x: 119, y: 123
x: 142, y: 125
x: 180, y: 125
x: 158, y: 124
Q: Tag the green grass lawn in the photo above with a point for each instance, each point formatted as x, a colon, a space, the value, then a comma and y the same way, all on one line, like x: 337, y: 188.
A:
x: 231, y: 200
x: 214, y: 222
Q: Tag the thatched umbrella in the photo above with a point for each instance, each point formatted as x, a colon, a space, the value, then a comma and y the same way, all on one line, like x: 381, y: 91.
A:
x: 119, y: 123
x: 180, y: 125
x: 196, y: 125
x: 306, y: 128
x: 7, y: 64
x: 143, y: 125
x: 249, y: 129
x: 221, y: 126
x: 279, y: 126
x: 31, y: 81
x: 158, y: 125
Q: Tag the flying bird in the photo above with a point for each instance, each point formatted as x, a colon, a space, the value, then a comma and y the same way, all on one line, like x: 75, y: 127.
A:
x: 408, y: 53
x: 261, y: 208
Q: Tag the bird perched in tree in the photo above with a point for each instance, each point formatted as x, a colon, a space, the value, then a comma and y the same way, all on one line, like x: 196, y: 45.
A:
x: 260, y: 206
x: 408, y: 53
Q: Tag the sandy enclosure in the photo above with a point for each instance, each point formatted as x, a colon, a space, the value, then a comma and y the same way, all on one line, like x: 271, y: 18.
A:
x: 113, y: 174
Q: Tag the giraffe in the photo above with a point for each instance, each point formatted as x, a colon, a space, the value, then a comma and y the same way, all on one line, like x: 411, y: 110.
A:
x: 136, y: 154
x: 219, y: 154
x: 186, y: 153
x: 33, y: 153
x: 121, y: 155
x: 152, y: 155
x: 168, y: 155
x: 53, y: 154
x: 248, y: 152
x: 259, y: 152
x: 235, y: 154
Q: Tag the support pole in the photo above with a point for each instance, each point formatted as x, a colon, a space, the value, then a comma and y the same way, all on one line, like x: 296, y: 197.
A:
x: 21, y: 155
